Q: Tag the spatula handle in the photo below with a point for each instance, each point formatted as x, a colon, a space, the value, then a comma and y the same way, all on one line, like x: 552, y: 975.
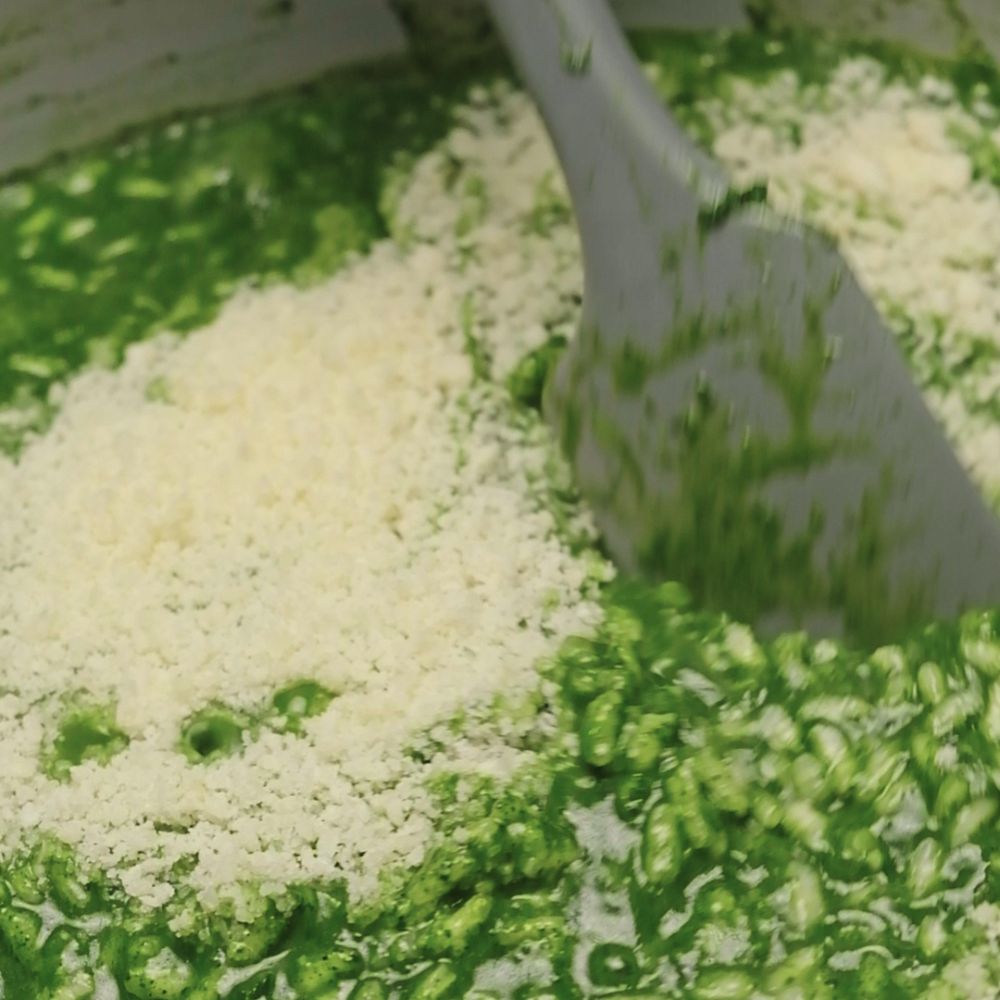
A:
x: 594, y: 97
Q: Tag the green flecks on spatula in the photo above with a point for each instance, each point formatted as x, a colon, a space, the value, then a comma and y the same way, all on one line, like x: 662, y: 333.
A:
x: 717, y: 482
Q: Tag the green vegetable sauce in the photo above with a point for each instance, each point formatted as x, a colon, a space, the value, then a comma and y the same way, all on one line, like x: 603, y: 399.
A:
x: 716, y: 817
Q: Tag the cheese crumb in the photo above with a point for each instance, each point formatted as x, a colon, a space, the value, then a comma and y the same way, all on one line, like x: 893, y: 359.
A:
x: 317, y: 490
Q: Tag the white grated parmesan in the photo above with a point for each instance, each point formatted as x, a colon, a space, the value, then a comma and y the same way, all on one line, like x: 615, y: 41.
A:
x: 322, y: 497
x: 525, y: 283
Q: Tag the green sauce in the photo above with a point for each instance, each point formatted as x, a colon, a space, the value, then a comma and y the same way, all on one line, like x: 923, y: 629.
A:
x: 715, y: 818
x: 791, y: 814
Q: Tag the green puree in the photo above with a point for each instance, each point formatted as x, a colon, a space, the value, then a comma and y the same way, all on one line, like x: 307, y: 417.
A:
x: 716, y: 818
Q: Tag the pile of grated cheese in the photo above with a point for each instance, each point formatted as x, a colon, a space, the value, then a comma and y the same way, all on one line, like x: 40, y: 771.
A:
x: 885, y: 167
x: 502, y: 214
x: 316, y: 488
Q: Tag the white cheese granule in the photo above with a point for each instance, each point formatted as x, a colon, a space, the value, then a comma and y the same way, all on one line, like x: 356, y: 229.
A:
x: 502, y: 213
x: 323, y: 495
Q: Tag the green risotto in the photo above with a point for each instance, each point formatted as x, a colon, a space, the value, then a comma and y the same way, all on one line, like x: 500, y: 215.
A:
x: 711, y: 815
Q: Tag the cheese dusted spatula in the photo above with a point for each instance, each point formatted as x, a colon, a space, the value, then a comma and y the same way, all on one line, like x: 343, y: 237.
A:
x: 735, y: 410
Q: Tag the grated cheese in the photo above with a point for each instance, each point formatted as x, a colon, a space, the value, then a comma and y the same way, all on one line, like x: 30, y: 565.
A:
x: 316, y: 490
x: 501, y: 213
